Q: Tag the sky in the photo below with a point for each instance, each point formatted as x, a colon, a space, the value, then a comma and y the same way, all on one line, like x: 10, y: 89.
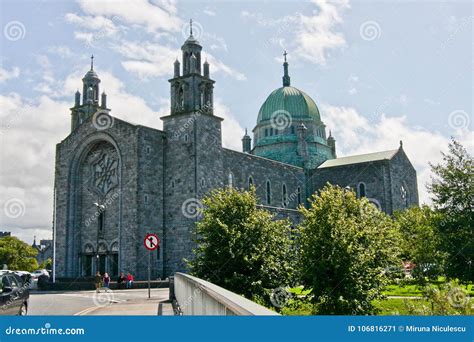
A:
x: 380, y: 72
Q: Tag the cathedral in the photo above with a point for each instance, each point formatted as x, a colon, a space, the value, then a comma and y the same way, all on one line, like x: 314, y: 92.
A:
x: 116, y: 181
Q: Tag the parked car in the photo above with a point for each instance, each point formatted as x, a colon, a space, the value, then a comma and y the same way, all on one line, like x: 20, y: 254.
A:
x: 27, y: 278
x: 14, y: 294
x: 36, y: 274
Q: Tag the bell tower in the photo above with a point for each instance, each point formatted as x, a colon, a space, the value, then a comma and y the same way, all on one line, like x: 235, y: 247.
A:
x: 90, y: 99
x: 192, y: 89
x: 193, y: 157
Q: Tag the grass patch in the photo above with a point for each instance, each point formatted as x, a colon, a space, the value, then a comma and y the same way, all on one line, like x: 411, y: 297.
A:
x: 415, y: 290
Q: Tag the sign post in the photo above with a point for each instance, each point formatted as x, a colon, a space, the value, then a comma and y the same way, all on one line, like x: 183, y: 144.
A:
x: 151, y: 243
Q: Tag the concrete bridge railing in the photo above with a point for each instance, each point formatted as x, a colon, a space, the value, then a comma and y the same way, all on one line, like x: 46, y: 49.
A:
x: 199, y: 297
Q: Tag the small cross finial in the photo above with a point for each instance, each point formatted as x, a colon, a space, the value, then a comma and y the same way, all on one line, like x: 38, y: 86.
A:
x: 284, y: 54
x: 191, y: 27
x: 92, y: 62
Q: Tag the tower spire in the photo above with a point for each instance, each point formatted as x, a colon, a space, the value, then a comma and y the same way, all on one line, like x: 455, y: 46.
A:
x: 92, y: 62
x: 190, y: 27
x: 286, y: 77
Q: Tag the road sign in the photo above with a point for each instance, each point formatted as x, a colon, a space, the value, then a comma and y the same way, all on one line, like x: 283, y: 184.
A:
x: 151, y: 242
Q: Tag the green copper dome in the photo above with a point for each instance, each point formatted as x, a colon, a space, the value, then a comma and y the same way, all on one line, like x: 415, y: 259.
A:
x: 292, y: 100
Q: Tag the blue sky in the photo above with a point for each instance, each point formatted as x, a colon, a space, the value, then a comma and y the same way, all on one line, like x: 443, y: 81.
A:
x: 380, y: 72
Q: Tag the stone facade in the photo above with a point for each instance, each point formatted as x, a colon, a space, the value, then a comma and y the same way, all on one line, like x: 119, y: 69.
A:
x: 115, y: 181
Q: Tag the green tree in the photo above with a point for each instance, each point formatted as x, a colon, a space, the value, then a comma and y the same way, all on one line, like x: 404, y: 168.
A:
x: 452, y: 188
x: 420, y: 241
x: 17, y: 255
x: 347, y: 246
x: 241, y: 247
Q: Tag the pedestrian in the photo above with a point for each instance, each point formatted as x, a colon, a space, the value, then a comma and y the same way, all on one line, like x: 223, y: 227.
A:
x: 106, y: 280
x: 98, y: 282
x: 129, y: 281
x: 121, y: 280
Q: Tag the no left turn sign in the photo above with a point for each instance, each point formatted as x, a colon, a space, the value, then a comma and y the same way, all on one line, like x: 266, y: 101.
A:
x: 151, y: 242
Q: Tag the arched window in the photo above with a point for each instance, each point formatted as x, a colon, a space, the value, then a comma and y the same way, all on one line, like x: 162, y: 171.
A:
x: 404, y: 195
x: 283, y: 195
x: 271, y: 131
x: 298, y: 191
x: 269, y: 193
x: 292, y: 129
x: 361, y: 189
x: 266, y: 132
x: 181, y: 98
x: 186, y: 138
x: 231, y: 179
x: 250, y: 183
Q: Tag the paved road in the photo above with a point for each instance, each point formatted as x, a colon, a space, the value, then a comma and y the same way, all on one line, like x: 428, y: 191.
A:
x: 118, y: 302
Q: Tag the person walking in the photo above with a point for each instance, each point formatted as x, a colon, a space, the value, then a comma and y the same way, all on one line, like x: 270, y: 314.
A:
x: 121, y: 281
x: 129, y: 281
x: 98, y: 282
x: 106, y: 280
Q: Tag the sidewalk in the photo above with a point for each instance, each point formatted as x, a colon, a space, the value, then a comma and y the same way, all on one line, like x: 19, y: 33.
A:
x: 136, y: 305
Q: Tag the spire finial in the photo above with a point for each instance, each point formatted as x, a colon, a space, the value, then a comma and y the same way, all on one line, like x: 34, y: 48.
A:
x: 92, y: 62
x: 286, y: 77
x: 191, y: 27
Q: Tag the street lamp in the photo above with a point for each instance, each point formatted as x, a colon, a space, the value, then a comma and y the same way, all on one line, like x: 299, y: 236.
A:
x: 100, y: 218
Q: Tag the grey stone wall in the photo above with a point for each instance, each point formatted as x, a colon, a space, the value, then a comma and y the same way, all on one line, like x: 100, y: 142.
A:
x: 243, y: 165
x: 193, y: 166
x: 403, y: 174
x: 375, y: 176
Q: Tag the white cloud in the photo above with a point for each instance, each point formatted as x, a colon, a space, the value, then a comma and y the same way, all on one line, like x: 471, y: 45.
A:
x: 209, y: 12
x: 356, y: 135
x: 97, y: 23
x: 9, y: 74
x: 28, y: 135
x: 154, y: 15
x: 310, y: 36
x: 147, y: 59
x: 217, y: 65
x: 232, y: 132
x: 61, y: 50
x: 317, y: 33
